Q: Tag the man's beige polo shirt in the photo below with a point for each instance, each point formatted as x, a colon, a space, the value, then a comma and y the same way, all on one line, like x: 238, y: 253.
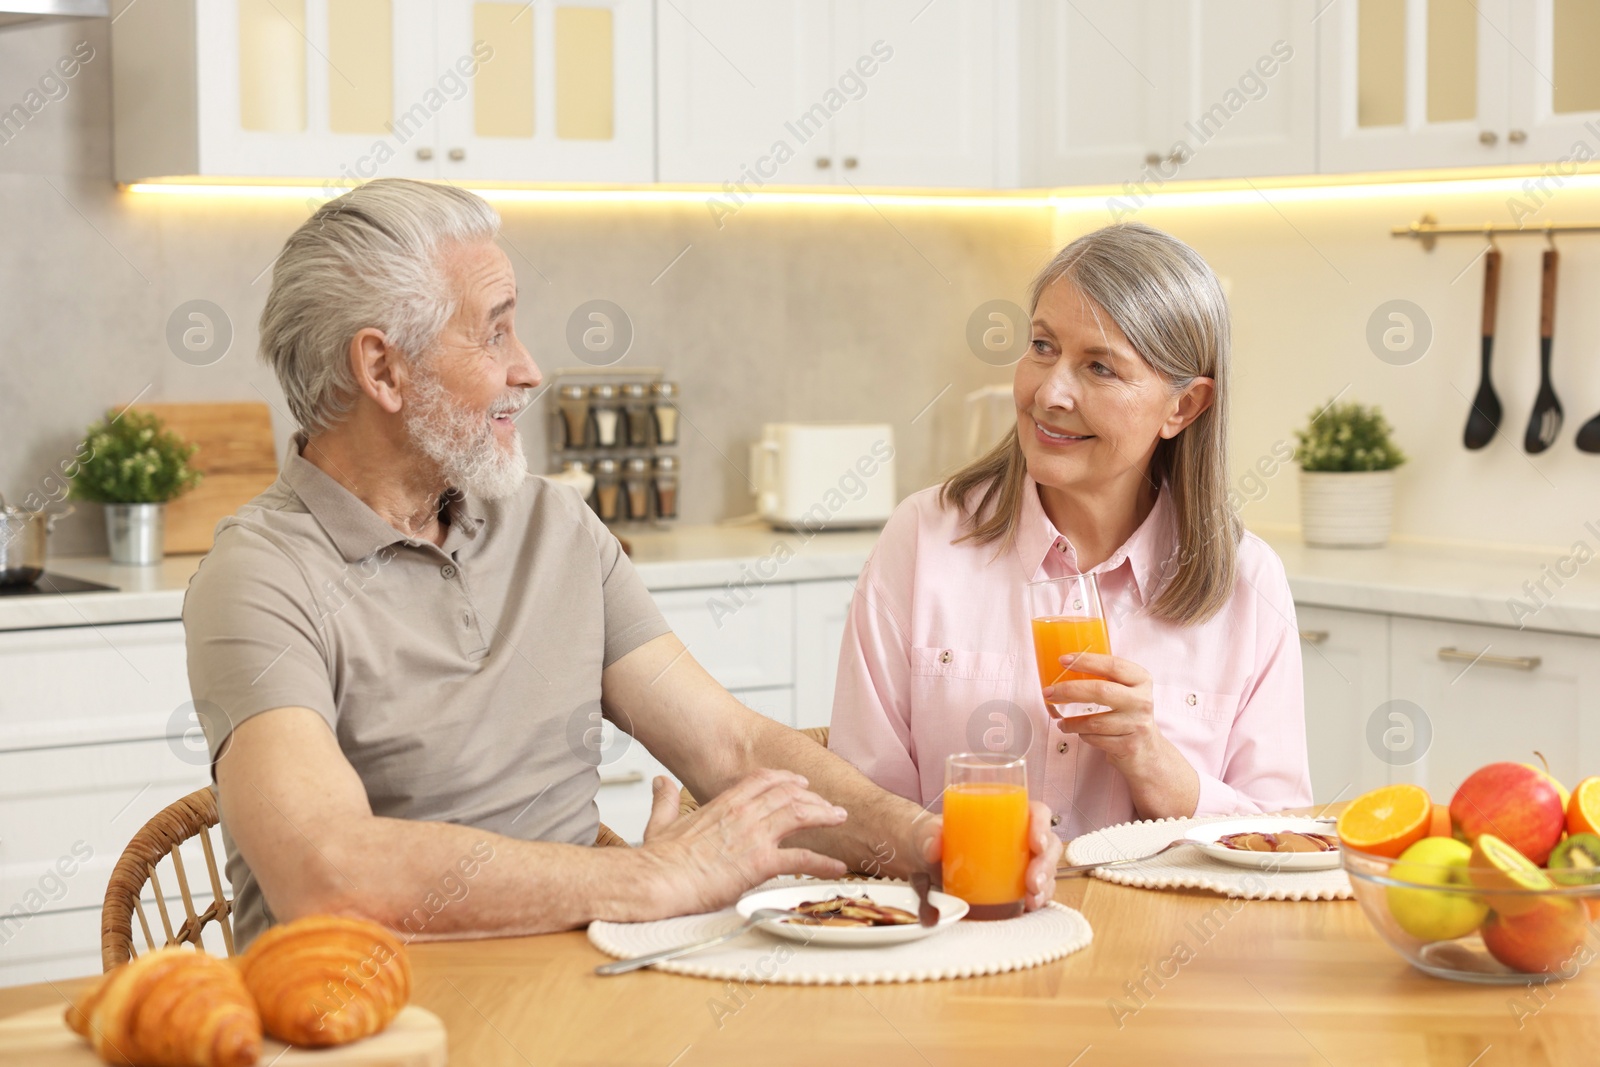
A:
x: 462, y: 681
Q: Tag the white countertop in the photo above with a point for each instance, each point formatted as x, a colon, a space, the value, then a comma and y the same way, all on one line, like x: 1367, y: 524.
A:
x: 1429, y: 580
x: 683, y: 558
x: 1460, y: 583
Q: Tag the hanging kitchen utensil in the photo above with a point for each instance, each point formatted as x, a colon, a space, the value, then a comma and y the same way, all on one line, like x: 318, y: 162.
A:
x: 1589, y: 436
x: 1545, y: 422
x: 1483, y: 421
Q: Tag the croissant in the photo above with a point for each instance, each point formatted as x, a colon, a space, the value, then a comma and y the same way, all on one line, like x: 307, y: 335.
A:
x: 326, y: 980
x: 173, y: 1007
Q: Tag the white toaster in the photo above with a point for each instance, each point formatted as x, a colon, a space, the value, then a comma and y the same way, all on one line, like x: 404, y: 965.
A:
x: 824, y: 475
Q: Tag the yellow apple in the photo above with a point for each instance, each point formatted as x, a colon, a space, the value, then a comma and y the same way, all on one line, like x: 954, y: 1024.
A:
x: 1435, y: 914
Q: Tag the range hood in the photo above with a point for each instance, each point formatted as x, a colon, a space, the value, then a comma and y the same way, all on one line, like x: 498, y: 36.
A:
x: 18, y: 12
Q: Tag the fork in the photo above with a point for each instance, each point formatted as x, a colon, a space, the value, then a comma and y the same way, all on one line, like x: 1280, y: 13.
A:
x: 757, y: 917
x: 1085, y: 868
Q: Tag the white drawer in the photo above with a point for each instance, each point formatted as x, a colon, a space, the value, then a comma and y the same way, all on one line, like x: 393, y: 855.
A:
x: 745, y: 640
x: 99, y: 795
x: 85, y: 684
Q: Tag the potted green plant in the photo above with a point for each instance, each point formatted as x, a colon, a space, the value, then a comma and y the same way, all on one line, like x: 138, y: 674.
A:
x: 1347, y: 464
x: 135, y: 467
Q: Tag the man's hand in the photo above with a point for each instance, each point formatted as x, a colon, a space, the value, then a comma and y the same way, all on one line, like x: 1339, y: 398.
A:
x: 710, y: 856
x: 1043, y: 844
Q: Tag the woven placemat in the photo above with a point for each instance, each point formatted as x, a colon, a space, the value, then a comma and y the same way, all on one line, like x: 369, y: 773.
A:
x: 1189, y: 868
x: 965, y: 950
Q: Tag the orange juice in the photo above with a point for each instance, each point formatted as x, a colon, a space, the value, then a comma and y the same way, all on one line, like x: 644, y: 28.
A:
x: 986, y: 847
x: 1055, y: 636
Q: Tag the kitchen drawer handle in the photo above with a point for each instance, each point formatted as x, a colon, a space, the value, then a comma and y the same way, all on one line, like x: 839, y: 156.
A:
x: 1516, y: 663
x: 1313, y: 637
x: 622, y: 779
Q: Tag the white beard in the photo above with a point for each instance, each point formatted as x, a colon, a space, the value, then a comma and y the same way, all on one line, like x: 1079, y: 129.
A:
x: 462, y: 442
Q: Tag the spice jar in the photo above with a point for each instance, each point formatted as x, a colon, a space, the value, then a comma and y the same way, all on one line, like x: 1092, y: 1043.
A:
x: 574, y: 401
x: 636, y: 412
x: 636, y: 479
x: 666, y: 486
x: 607, y: 490
x: 666, y: 412
x: 605, y: 414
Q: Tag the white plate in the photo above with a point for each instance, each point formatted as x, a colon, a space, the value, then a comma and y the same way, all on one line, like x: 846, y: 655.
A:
x: 1208, y: 835
x: 951, y: 909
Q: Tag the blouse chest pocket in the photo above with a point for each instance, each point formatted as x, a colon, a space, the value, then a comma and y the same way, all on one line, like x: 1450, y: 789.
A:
x: 1198, y: 721
x: 955, y: 663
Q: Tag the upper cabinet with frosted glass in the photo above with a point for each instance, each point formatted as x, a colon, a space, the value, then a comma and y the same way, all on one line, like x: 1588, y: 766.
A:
x: 1449, y: 83
x: 346, y: 90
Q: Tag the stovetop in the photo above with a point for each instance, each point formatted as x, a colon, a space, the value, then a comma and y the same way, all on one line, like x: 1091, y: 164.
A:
x: 50, y: 584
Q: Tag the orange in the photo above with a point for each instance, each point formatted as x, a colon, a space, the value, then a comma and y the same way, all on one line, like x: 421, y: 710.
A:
x: 1583, y: 811
x: 1387, y: 821
x: 1439, y: 825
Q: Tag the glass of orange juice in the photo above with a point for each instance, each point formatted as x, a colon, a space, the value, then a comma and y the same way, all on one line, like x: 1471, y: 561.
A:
x: 986, y: 832
x: 1067, y: 620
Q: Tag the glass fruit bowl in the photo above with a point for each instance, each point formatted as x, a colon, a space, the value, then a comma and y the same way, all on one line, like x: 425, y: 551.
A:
x: 1498, y: 921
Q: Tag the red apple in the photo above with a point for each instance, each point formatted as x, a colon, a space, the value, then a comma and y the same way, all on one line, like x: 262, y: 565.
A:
x: 1546, y: 940
x: 1517, y: 803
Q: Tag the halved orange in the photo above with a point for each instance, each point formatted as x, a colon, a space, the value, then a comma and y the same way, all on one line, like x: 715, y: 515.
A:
x: 1387, y: 821
x: 1583, y: 810
x: 1439, y: 825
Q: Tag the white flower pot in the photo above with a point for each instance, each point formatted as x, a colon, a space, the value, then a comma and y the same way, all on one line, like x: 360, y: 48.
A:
x: 1346, y: 509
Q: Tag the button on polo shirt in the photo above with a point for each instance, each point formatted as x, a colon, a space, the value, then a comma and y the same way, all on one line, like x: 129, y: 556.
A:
x: 458, y: 678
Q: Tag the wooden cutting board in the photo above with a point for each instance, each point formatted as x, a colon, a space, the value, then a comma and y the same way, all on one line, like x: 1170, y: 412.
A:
x: 236, y: 456
x: 416, y: 1038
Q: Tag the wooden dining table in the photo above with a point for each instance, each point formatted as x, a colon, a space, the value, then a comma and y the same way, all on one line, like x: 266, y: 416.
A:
x: 1174, y: 978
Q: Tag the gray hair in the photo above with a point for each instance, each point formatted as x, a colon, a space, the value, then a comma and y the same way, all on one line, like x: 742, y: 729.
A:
x: 369, y: 258
x: 1170, y: 306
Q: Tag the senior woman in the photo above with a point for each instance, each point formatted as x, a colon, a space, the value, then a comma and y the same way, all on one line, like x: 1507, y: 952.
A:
x: 1117, y: 466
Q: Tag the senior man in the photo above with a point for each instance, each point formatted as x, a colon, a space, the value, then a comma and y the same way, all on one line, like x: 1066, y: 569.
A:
x: 393, y: 648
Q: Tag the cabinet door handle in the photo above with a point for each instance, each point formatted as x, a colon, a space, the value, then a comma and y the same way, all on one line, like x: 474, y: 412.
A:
x: 424, y: 154
x: 1516, y: 663
x: 1313, y: 637
x: 458, y: 154
x: 850, y: 162
x: 1517, y: 136
x: 823, y: 162
x: 1489, y: 138
x: 622, y: 779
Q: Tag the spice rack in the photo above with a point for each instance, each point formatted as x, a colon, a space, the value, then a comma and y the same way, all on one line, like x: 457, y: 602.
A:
x: 621, y: 427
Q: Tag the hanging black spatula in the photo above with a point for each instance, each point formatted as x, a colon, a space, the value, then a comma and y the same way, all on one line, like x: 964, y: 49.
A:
x: 1484, y: 419
x: 1545, y: 422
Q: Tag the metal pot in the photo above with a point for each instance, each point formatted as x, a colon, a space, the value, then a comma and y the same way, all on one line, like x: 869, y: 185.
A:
x: 24, y: 539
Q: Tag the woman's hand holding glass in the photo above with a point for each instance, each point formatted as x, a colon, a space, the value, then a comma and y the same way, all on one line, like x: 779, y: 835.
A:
x: 1161, y: 781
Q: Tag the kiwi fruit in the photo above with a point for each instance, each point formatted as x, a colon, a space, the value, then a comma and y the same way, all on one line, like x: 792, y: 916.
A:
x: 1576, y: 861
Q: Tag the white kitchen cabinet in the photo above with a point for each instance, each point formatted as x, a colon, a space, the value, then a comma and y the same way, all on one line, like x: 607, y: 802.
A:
x: 568, y: 93
x: 830, y: 92
x: 1152, y: 91
x: 1244, y: 89
x: 1493, y: 693
x: 745, y: 640
x: 734, y: 79
x: 820, y: 612
x: 1345, y: 657
x: 1417, y: 83
x: 345, y: 90
x: 928, y: 116
x: 78, y: 684
x: 340, y: 90
x: 1555, y: 83
x: 1097, y: 89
